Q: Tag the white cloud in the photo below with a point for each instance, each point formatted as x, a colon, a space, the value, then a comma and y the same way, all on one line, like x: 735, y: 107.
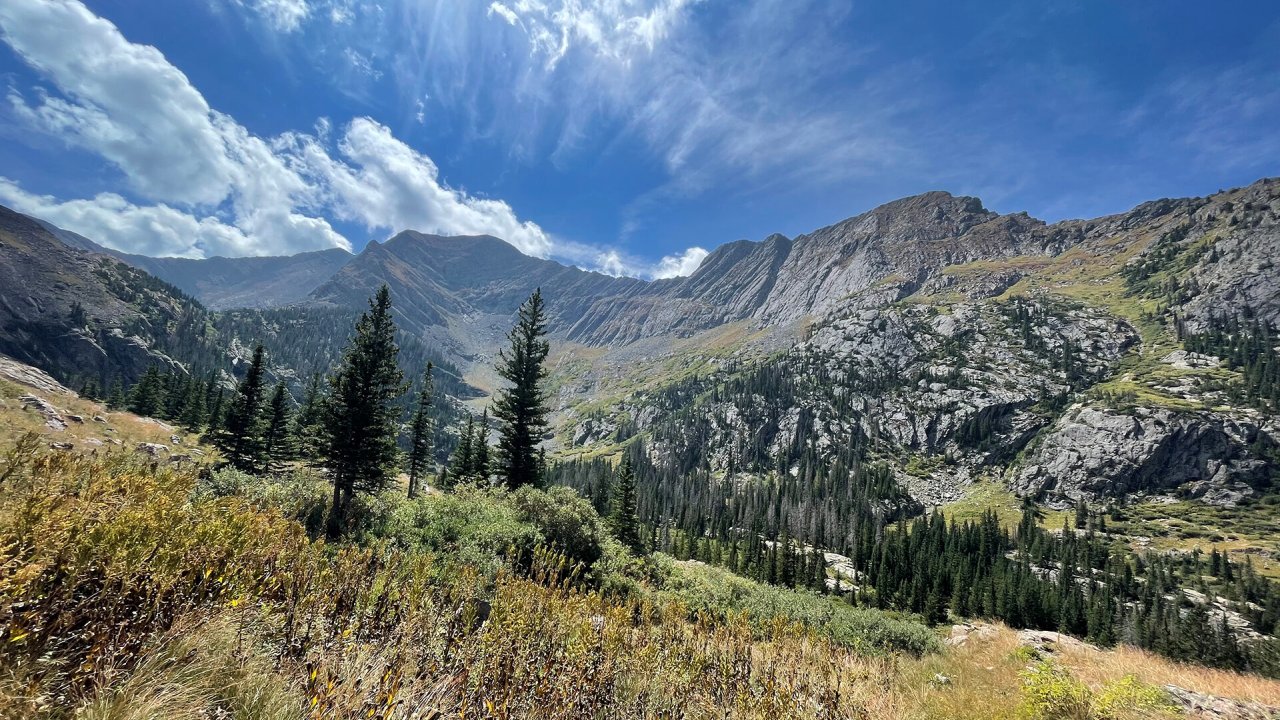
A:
x: 128, y: 104
x: 504, y: 12
x: 612, y: 28
x: 768, y: 97
x: 681, y: 265
x: 616, y: 262
x: 123, y: 101
x: 383, y: 183
x: 610, y: 262
x: 111, y: 220
x: 205, y: 185
x: 361, y: 64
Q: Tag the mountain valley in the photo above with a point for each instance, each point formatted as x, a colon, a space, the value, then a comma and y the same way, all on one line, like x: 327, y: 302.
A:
x: 795, y: 411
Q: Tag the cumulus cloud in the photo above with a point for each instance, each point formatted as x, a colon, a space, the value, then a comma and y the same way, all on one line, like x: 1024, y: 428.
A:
x: 229, y: 191
x: 381, y: 182
x: 111, y: 220
x: 616, y: 262
x: 680, y: 265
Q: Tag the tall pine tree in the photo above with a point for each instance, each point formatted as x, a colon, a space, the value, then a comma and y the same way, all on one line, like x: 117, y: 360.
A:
x: 421, y: 445
x: 519, y: 408
x: 362, y: 420
x: 278, y: 436
x: 624, y: 519
x: 309, y: 421
x: 242, y: 437
x: 481, y: 468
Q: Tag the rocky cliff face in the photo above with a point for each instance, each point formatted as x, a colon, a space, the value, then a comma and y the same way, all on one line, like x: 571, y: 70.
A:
x: 951, y: 340
x: 1094, y: 453
x: 77, y: 313
x: 948, y: 338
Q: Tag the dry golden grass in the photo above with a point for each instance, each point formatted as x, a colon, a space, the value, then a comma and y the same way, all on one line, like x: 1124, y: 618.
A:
x: 125, y: 595
x: 121, y: 429
x: 983, y: 683
x: 986, y: 678
x: 1096, y: 667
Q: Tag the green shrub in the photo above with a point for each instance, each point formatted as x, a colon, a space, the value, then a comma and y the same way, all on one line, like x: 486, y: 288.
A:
x: 477, y: 527
x: 718, y: 593
x: 1129, y: 696
x: 566, y: 520
x: 1050, y: 693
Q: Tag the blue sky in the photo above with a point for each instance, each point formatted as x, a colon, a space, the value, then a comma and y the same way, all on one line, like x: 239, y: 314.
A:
x: 623, y: 135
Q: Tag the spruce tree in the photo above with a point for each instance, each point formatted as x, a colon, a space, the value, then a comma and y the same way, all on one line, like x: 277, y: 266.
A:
x: 242, y: 437
x: 624, y: 519
x: 147, y: 397
x: 421, y: 447
x: 461, y: 462
x: 277, y: 437
x: 481, y: 468
x: 362, y: 420
x: 519, y: 408
x: 115, y: 397
x: 217, y: 413
x: 193, y: 408
x: 309, y: 421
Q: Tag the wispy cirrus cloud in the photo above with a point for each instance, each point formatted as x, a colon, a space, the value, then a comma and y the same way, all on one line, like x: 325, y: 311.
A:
x: 735, y: 100
x: 282, y: 15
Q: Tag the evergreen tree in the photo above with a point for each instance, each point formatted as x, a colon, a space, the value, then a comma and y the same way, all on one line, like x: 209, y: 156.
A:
x: 193, y: 415
x: 362, y: 419
x: 148, y: 396
x: 462, y: 461
x: 421, y: 446
x: 278, y: 437
x: 309, y: 422
x: 624, y: 520
x: 519, y: 408
x: 481, y: 468
x: 242, y: 438
x: 217, y: 414
x: 115, y: 397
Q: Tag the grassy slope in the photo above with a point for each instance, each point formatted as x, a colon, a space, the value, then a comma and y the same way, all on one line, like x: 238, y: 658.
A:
x: 708, y: 644
x: 121, y: 429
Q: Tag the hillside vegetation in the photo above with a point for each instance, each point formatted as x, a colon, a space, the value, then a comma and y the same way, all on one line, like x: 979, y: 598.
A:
x: 135, y: 590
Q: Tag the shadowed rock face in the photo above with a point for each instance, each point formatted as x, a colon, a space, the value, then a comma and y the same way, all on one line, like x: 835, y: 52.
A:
x: 222, y: 283
x: 249, y: 282
x: 65, y: 309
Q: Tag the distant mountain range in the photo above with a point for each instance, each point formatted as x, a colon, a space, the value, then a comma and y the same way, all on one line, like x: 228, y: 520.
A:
x: 938, y: 317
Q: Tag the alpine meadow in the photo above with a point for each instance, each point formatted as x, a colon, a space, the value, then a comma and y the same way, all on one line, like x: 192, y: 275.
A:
x: 396, y: 361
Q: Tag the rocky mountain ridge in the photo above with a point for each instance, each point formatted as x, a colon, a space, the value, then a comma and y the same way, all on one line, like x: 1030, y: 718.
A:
x: 956, y: 342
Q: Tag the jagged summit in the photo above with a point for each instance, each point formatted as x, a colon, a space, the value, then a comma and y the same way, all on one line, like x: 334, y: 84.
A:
x: 458, y: 289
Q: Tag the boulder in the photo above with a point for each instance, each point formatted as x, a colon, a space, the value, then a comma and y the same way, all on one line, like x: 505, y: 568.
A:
x: 152, y: 449
x: 1211, y: 707
x: 52, y: 418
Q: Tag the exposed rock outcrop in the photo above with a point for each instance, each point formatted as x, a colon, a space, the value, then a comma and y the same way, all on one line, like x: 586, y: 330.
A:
x: 1094, y: 452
